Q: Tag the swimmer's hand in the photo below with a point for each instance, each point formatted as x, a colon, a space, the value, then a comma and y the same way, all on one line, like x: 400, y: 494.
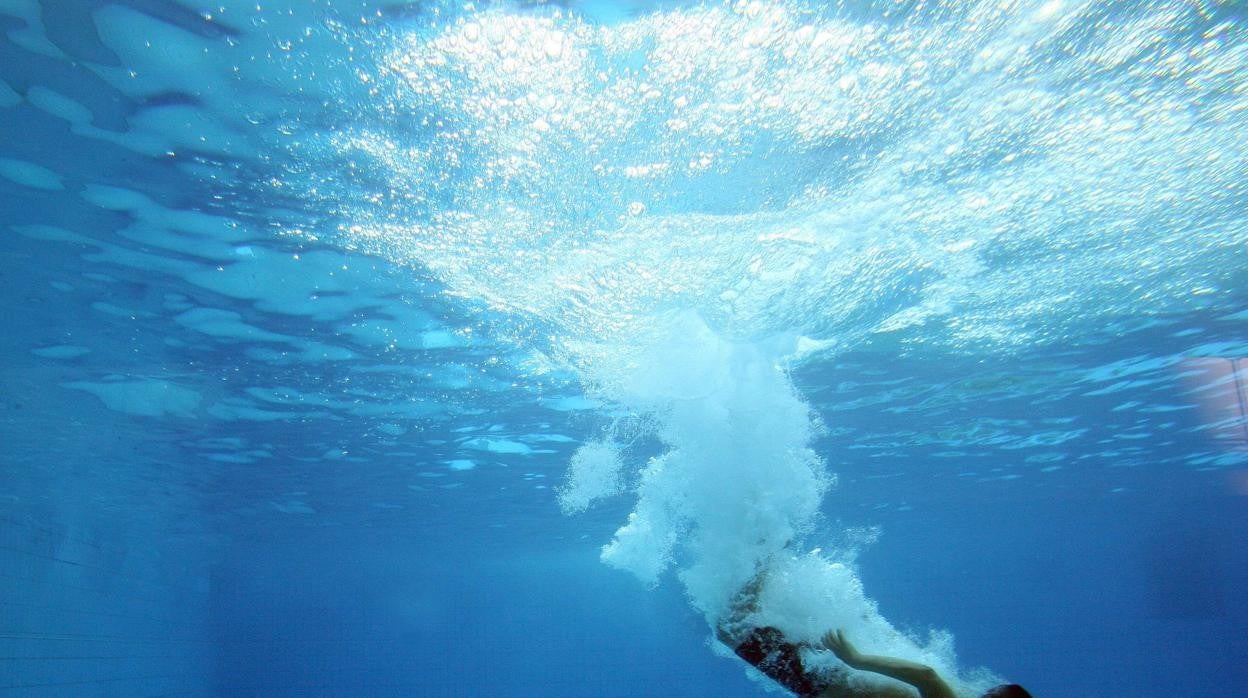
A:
x: 922, y: 677
x: 844, y: 650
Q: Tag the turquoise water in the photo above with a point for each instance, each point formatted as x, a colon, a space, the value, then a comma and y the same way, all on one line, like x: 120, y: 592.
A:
x: 382, y: 348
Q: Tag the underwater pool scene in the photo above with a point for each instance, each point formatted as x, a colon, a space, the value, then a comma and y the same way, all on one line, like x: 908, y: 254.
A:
x: 475, y: 348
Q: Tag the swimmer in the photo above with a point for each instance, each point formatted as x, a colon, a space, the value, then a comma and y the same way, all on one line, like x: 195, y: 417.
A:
x: 921, y: 677
x: 767, y: 649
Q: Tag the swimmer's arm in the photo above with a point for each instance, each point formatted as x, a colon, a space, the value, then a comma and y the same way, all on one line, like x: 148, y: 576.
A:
x: 921, y: 676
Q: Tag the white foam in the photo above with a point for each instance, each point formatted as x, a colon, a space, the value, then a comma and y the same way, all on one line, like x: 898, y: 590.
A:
x: 737, y: 481
x: 900, y: 241
x: 593, y: 474
x: 494, y: 445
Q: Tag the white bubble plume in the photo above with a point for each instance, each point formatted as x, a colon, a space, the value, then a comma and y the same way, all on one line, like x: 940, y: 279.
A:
x: 736, y: 490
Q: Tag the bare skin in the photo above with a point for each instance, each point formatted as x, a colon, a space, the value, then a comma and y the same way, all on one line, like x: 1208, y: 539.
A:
x: 732, y: 632
x: 922, y: 677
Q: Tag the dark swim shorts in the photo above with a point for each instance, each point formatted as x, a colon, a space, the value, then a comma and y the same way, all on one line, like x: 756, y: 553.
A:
x: 767, y: 650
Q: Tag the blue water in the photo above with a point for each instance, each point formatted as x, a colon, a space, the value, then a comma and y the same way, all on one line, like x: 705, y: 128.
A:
x: 369, y: 348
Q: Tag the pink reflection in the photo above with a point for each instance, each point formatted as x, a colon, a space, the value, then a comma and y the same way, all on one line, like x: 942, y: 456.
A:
x: 1220, y: 387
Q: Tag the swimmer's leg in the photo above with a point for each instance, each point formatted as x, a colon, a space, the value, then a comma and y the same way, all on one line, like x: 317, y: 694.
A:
x: 838, y: 686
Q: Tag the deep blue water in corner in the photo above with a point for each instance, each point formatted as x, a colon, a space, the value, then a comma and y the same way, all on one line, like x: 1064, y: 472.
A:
x: 372, y: 348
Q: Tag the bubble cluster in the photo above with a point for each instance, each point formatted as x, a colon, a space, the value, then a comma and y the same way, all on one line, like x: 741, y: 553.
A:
x: 989, y: 174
